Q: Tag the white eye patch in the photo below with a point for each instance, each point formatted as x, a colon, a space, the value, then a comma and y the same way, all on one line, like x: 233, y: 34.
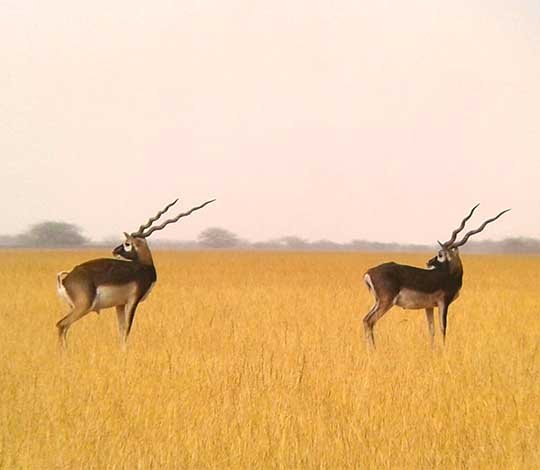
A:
x: 128, y: 246
x: 441, y: 257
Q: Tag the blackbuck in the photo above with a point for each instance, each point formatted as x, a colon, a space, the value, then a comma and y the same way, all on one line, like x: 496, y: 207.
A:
x: 410, y: 287
x: 107, y: 282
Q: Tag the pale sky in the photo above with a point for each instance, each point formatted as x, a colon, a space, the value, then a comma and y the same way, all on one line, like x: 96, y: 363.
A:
x: 348, y: 119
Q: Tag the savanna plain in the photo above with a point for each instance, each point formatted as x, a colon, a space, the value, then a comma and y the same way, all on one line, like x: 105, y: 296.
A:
x: 258, y: 360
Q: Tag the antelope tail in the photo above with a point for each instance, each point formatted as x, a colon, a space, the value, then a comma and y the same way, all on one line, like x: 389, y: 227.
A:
x: 60, y: 280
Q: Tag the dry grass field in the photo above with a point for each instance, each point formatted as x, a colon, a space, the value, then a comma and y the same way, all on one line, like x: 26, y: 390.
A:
x: 258, y: 360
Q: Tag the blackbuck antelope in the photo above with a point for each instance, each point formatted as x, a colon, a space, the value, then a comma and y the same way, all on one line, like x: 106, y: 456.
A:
x: 106, y: 282
x: 410, y: 287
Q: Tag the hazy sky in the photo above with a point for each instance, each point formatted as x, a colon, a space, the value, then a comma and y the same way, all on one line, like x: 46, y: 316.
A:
x: 346, y: 119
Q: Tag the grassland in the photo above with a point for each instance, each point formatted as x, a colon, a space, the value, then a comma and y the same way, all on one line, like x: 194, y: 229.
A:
x: 254, y: 360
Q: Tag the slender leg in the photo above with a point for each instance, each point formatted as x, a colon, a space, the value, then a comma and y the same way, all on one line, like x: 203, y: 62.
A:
x: 121, y: 318
x: 368, y: 328
x: 63, y: 325
x: 377, y: 311
x: 443, y: 313
x: 80, y: 296
x: 130, y: 308
x: 431, y: 328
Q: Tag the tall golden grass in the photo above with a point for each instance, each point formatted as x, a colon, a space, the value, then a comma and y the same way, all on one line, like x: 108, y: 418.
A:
x: 257, y: 360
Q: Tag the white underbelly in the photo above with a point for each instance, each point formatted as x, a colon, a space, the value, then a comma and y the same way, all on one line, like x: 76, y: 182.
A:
x: 411, y: 299
x: 110, y: 296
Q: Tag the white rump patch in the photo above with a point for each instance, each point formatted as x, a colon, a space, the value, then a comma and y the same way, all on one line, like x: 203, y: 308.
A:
x: 62, y: 292
x: 367, y: 279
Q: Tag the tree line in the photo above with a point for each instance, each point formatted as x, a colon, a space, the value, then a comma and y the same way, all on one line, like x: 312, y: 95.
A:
x: 52, y: 234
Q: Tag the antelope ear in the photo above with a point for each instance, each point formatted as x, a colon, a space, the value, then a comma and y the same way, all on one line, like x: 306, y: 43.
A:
x: 440, y: 244
x: 126, y: 235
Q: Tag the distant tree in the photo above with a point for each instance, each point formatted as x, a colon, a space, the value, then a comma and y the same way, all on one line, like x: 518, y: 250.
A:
x: 9, y: 240
x: 215, y: 237
x: 53, y: 234
x: 326, y: 245
x: 293, y: 242
x: 267, y: 245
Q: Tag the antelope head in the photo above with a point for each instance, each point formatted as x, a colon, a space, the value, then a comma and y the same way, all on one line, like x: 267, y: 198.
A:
x: 447, y: 258
x: 135, y: 247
